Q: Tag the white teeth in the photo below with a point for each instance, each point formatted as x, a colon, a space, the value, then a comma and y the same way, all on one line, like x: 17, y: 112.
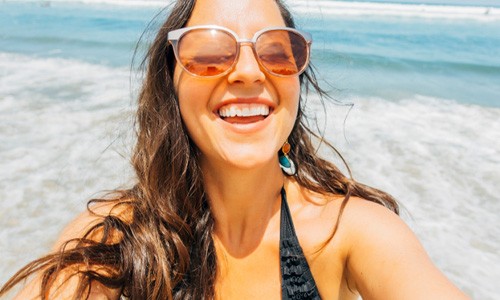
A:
x: 243, y: 110
x: 246, y: 112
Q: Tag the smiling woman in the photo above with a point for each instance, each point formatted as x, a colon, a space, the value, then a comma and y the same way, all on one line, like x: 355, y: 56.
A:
x: 212, y: 215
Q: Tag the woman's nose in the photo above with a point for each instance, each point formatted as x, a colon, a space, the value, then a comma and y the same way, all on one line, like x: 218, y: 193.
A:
x: 247, y: 69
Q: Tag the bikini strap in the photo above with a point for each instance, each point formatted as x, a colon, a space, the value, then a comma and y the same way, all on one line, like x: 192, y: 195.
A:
x: 297, y: 282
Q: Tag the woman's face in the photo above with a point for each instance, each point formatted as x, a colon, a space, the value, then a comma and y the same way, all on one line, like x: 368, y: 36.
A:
x: 242, y: 142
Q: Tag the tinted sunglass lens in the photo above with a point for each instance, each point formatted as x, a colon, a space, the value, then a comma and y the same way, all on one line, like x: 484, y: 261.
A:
x: 282, y: 52
x: 207, y: 52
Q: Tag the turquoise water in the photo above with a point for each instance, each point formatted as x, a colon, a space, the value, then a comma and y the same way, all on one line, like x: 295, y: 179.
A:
x: 384, y: 56
x: 425, y: 125
x: 395, y: 58
x: 93, y: 33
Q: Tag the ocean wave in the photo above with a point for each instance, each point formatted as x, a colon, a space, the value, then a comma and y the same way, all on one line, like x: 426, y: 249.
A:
x: 152, y: 3
x: 440, y: 159
x: 424, y: 64
x: 58, y: 118
x: 339, y: 8
x: 342, y: 8
x: 62, y: 125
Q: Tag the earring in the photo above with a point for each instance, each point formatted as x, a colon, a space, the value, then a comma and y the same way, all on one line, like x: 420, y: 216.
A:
x: 286, y: 163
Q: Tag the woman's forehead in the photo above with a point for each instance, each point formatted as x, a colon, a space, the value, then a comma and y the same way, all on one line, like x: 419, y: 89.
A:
x: 238, y: 15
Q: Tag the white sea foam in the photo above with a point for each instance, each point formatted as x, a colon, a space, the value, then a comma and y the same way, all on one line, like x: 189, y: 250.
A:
x: 58, y: 117
x: 152, y: 3
x: 441, y: 160
x: 341, y: 8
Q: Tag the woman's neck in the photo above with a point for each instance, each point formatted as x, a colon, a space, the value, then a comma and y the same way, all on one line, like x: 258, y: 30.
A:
x: 243, y: 202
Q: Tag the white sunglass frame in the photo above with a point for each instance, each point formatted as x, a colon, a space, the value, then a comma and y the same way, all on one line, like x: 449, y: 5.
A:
x: 175, y: 35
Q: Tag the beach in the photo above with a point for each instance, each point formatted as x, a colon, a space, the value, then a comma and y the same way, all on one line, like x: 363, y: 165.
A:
x: 415, y: 112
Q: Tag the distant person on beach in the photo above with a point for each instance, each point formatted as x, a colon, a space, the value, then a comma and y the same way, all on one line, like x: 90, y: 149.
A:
x: 231, y: 200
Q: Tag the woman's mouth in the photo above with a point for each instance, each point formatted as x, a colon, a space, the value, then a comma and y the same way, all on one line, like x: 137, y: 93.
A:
x: 244, y: 113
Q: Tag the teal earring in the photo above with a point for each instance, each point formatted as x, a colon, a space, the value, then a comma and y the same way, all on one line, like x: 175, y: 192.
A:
x: 286, y: 163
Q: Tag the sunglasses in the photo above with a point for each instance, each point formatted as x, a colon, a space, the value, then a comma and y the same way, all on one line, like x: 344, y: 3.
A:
x: 211, y: 51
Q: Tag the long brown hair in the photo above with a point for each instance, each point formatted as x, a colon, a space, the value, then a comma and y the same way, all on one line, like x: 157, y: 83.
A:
x: 165, y: 248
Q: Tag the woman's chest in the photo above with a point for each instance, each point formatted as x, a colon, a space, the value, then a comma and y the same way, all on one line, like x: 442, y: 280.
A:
x: 257, y: 275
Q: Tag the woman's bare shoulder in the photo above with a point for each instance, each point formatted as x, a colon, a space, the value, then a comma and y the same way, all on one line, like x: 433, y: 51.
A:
x: 386, y: 260
x: 85, y: 225
x: 359, y: 212
x: 90, y: 218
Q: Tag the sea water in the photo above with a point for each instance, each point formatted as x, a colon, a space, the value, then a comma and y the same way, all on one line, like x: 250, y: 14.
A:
x: 416, y: 112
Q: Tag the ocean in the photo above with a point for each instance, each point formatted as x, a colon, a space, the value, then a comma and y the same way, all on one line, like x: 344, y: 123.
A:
x: 415, y: 112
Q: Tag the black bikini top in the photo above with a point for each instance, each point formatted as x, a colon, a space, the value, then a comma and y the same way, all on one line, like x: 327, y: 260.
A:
x: 297, y: 282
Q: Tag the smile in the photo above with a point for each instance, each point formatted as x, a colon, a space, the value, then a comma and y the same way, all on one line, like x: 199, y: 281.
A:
x: 244, y: 112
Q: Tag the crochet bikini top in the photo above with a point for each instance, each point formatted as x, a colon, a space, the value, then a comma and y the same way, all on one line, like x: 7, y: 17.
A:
x: 297, y: 281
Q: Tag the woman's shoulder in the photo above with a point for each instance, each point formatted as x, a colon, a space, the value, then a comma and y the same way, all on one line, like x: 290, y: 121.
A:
x: 88, y: 226
x: 348, y: 226
x: 384, y: 257
x: 359, y: 213
x: 87, y: 223
x: 358, y: 221
x: 353, y: 213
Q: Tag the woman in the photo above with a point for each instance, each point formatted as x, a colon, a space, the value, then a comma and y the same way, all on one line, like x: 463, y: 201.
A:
x: 231, y: 200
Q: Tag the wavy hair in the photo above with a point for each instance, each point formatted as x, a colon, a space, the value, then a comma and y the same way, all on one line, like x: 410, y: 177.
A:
x: 164, y: 249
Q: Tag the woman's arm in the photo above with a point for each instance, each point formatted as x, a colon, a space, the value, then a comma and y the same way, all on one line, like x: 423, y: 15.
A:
x: 385, y: 259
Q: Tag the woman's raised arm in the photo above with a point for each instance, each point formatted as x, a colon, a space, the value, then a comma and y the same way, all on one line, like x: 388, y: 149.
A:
x: 386, y: 260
